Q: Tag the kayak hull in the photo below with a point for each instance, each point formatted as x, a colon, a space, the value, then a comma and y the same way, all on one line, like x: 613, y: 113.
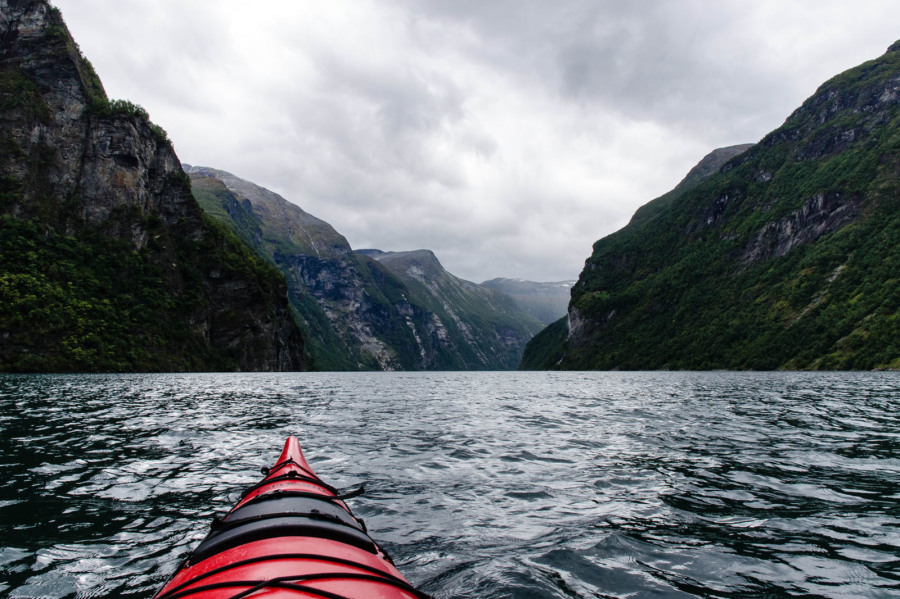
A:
x: 289, y: 536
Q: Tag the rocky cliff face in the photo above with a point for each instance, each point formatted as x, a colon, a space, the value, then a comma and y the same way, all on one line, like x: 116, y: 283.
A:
x: 820, y: 214
x: 366, y: 310
x: 784, y: 256
x: 101, y: 177
x: 73, y: 157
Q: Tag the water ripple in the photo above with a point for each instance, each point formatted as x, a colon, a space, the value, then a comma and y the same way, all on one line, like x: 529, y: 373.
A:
x: 496, y: 485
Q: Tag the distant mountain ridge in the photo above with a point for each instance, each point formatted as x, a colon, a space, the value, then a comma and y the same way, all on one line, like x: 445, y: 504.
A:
x: 365, y: 312
x: 545, y: 301
x: 490, y: 323
x: 785, y: 255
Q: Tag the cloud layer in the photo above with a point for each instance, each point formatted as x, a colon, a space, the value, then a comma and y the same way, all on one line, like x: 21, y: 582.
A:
x: 507, y: 136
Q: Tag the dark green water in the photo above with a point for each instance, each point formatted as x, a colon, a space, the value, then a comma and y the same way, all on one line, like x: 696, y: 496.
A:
x: 489, y: 485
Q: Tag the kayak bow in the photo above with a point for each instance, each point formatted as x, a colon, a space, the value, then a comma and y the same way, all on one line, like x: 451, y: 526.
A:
x: 289, y: 536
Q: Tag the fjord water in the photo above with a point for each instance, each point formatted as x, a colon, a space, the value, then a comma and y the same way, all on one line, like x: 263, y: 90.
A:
x: 488, y: 485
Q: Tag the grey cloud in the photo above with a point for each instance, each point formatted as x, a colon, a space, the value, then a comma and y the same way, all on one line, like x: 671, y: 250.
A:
x: 380, y: 119
x: 676, y: 62
x: 505, y: 135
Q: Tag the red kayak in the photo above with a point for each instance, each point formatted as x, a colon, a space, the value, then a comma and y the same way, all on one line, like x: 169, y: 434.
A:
x: 290, y: 536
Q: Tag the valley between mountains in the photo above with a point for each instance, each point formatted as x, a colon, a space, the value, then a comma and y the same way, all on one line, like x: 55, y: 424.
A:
x: 116, y: 257
x: 371, y: 309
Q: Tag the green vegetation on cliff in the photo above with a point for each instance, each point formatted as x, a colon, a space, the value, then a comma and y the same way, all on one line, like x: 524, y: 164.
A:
x: 786, y: 257
x: 547, y: 348
x: 93, y: 303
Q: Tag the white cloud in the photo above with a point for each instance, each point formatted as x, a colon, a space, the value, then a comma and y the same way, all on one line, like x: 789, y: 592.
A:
x: 507, y: 136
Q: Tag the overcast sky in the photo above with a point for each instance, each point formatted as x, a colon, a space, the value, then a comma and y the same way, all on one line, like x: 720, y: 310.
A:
x: 505, y: 135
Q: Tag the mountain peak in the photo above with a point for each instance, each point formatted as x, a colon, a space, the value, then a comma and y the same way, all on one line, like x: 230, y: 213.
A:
x: 712, y: 163
x: 284, y: 219
x: 35, y: 30
x: 421, y: 265
x: 709, y: 165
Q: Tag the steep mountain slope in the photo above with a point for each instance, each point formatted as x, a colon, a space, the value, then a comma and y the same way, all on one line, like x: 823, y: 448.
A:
x: 545, y: 301
x: 347, y: 309
x: 472, y: 324
x: 107, y: 262
x: 546, y: 349
x: 359, y: 314
x: 786, y: 257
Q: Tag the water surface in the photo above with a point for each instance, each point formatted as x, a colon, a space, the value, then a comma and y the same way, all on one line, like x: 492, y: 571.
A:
x: 492, y: 485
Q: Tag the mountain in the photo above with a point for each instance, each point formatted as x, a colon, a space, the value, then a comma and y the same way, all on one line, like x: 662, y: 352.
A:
x: 359, y: 313
x: 484, y: 327
x: 107, y: 261
x: 345, y: 311
x: 785, y: 256
x: 545, y: 301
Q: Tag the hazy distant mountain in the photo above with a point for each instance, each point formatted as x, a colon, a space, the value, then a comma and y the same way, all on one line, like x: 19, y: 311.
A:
x: 785, y: 256
x: 106, y: 261
x: 545, y: 301
x: 489, y: 326
x: 357, y: 312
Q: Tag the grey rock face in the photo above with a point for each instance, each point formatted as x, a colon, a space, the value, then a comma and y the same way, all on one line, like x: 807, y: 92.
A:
x: 820, y: 214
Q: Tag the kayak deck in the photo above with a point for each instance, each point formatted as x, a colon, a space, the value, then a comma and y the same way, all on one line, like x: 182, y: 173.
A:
x: 289, y: 536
